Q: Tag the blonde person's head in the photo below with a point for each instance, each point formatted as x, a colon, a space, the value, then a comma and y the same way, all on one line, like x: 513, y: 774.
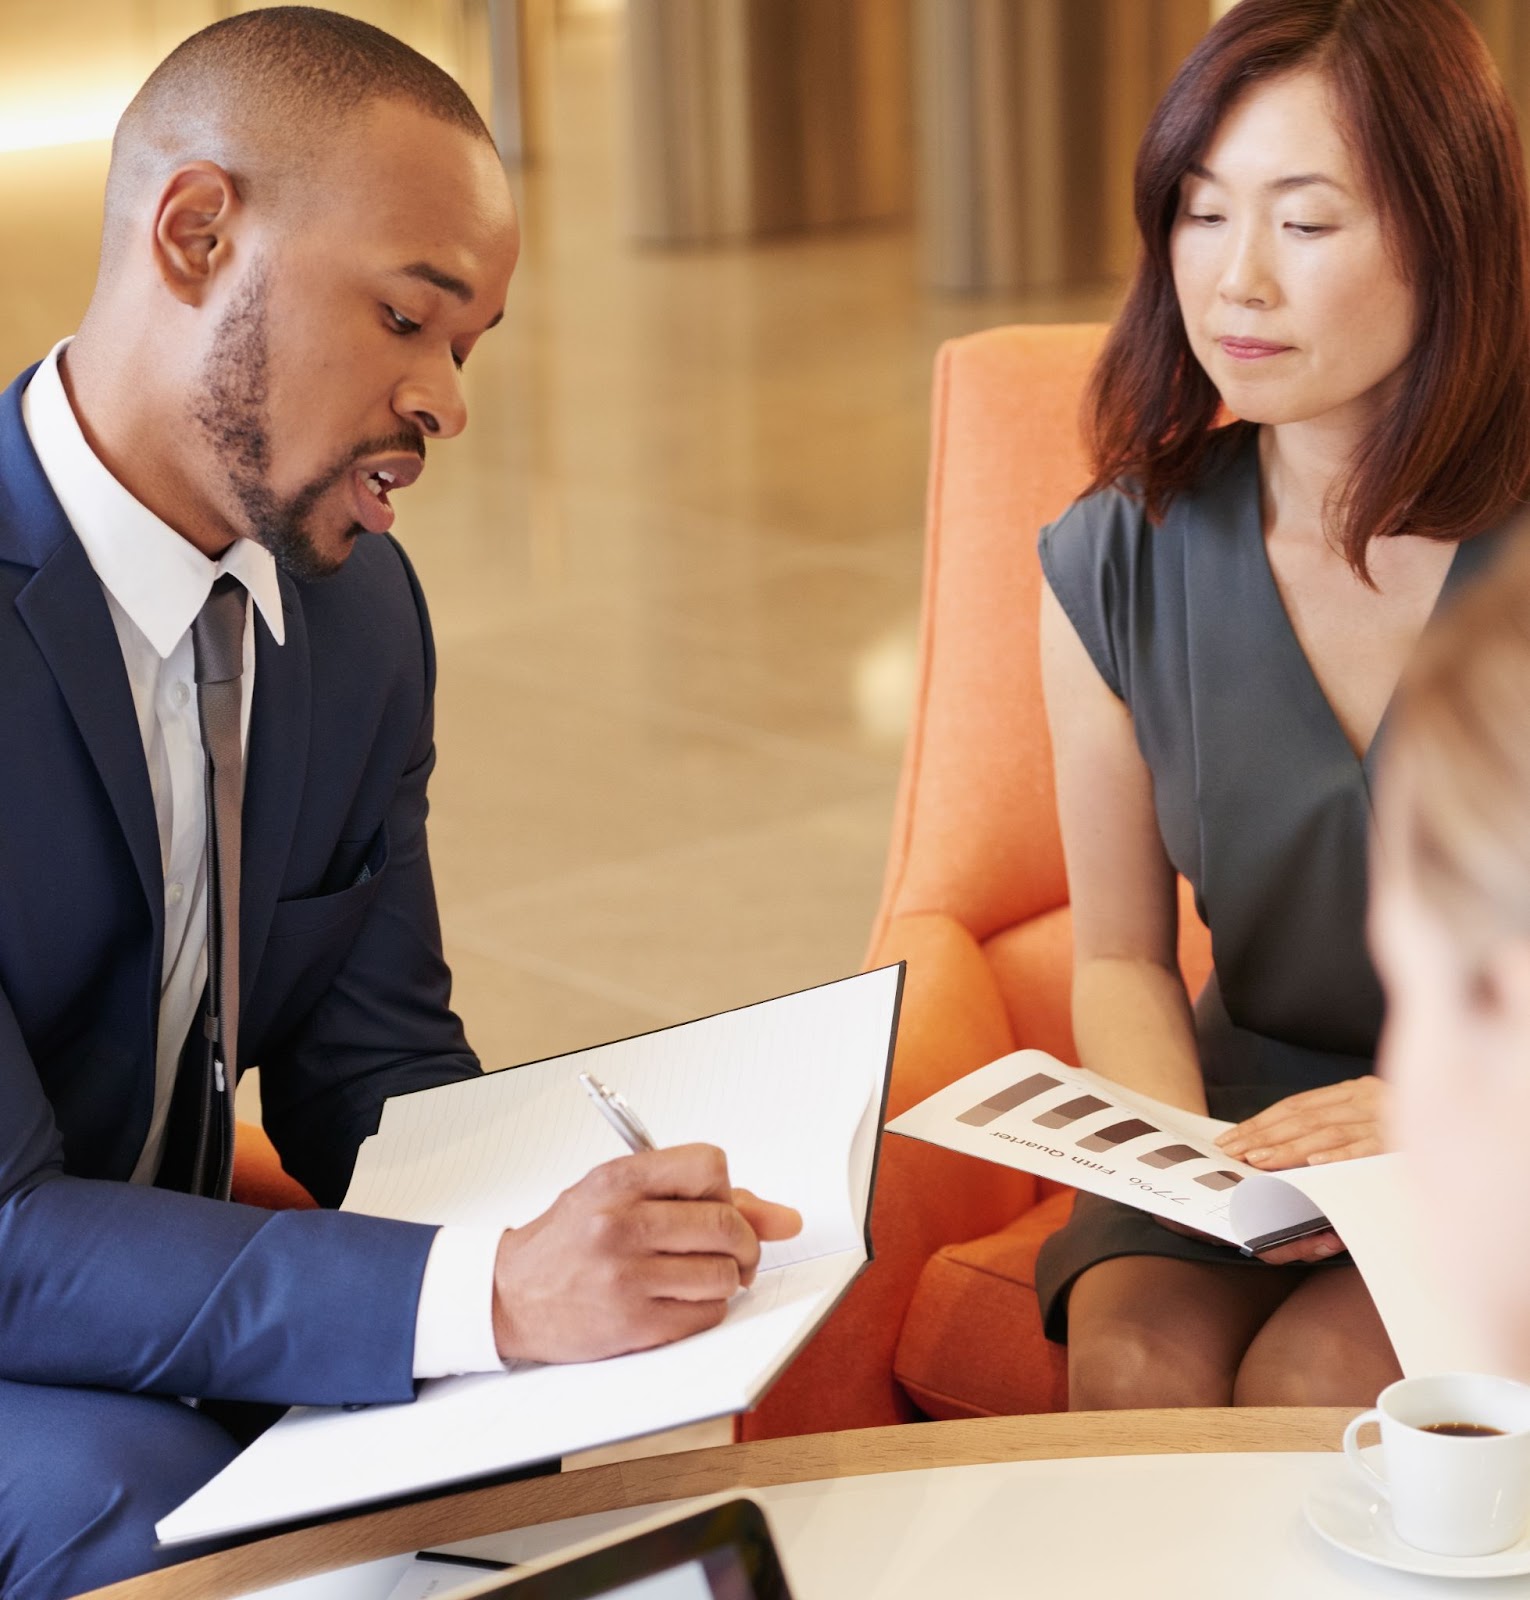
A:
x: 1450, y: 928
x: 1460, y: 759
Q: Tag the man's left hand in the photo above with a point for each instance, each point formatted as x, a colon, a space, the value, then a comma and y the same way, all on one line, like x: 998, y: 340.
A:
x: 1339, y: 1122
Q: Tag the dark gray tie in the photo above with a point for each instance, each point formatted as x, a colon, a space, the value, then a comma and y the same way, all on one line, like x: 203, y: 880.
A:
x: 217, y: 638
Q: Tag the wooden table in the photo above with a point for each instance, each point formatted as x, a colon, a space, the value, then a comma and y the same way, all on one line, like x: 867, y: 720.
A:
x: 470, y: 1513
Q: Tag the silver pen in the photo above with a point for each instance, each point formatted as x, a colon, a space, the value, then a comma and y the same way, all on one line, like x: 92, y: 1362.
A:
x: 619, y: 1114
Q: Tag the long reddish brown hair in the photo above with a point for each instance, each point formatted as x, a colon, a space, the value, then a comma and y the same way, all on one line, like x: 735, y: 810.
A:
x: 1436, y: 138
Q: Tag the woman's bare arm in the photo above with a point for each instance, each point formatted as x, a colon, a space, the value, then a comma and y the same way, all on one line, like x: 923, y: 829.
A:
x: 1131, y: 1014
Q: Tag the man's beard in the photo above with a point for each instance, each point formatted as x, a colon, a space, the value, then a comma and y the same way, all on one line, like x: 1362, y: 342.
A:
x: 233, y: 411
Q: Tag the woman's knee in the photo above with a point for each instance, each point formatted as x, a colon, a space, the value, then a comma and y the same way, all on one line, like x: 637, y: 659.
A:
x: 1126, y: 1364
x: 1135, y: 1342
x: 1148, y: 1331
x: 1317, y: 1374
x: 1325, y: 1347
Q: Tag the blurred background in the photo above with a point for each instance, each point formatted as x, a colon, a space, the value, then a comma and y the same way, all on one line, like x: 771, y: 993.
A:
x: 674, y: 564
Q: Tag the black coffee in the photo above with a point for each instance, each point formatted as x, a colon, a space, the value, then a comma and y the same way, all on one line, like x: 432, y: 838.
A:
x: 1462, y: 1430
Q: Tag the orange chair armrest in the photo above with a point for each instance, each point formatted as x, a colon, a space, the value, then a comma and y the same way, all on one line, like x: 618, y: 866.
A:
x: 952, y: 1022
x: 259, y: 1178
x: 953, y: 1018
x: 972, y: 1344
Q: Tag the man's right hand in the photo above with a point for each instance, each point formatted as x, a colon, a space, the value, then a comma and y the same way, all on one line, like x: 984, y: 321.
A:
x: 644, y: 1250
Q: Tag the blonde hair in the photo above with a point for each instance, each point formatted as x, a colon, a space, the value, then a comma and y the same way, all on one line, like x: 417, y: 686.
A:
x: 1458, y: 757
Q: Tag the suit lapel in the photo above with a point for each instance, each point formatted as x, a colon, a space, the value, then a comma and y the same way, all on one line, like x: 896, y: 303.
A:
x: 65, y: 611
x: 276, y: 768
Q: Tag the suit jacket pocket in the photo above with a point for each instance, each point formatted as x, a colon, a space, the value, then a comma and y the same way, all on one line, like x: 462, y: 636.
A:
x: 336, y: 914
x: 308, y: 942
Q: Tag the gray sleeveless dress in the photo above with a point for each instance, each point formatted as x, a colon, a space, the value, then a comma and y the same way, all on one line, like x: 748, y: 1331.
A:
x: 1261, y: 801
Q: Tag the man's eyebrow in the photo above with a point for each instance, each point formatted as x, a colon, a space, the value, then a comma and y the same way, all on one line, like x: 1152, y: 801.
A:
x: 453, y: 286
x: 1297, y: 180
x: 439, y: 279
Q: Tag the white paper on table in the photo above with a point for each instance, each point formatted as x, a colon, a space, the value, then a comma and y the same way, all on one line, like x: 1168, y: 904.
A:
x: 792, y: 1089
x: 429, y: 1577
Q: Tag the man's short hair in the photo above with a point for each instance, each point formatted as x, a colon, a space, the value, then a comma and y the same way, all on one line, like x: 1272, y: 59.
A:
x: 261, y: 93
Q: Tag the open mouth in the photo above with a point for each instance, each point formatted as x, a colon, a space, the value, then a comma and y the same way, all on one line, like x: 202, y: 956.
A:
x: 371, y: 486
x: 369, y: 498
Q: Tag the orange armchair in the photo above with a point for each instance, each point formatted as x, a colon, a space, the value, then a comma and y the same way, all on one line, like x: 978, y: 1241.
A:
x: 259, y: 1178
x: 975, y: 899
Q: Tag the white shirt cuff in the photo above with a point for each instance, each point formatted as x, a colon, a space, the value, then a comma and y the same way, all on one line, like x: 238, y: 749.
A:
x: 454, y: 1325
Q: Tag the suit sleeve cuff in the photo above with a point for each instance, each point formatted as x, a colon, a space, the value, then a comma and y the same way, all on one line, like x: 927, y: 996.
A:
x: 454, y: 1325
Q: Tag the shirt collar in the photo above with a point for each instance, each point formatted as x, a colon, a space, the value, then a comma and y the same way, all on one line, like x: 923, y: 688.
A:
x: 158, y: 578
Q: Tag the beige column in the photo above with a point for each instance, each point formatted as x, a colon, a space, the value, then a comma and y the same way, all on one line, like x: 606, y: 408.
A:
x: 1029, y: 114
x: 519, y: 38
x: 756, y: 116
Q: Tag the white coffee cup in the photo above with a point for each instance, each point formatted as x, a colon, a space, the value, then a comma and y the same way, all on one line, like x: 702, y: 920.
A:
x: 1450, y: 1494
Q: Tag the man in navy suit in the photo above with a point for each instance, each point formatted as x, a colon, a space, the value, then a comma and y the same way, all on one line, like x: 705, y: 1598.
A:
x: 307, y: 230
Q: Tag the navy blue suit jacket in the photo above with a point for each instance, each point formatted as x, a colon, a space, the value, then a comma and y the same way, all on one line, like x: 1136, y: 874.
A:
x: 344, y: 990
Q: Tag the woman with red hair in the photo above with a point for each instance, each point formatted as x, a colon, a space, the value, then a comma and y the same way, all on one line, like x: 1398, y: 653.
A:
x: 1308, y: 425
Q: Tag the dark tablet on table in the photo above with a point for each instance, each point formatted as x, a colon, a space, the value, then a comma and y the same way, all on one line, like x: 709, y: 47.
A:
x: 722, y: 1553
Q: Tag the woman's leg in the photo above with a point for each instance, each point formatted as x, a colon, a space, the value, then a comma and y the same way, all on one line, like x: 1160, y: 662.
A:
x: 1147, y: 1331
x: 1324, y: 1346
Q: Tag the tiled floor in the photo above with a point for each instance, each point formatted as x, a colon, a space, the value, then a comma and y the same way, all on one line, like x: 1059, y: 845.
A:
x: 674, y: 572
x: 676, y: 585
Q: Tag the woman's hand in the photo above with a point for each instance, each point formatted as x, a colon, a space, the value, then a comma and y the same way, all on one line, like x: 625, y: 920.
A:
x: 1336, y: 1123
x: 1339, y: 1122
x: 1299, y: 1253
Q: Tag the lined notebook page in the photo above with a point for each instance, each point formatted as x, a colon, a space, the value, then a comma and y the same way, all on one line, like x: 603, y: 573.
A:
x: 785, y: 1088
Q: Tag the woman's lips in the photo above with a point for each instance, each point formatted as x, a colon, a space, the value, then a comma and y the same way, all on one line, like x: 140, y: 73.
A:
x: 1252, y: 349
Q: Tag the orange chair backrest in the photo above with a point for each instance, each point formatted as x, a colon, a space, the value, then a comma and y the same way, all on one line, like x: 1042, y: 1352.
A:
x: 975, y: 834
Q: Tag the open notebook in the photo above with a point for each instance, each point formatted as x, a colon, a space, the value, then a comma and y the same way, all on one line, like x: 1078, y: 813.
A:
x: 793, y: 1090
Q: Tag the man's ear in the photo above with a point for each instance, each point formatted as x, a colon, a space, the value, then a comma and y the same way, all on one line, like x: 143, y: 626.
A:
x: 197, y: 208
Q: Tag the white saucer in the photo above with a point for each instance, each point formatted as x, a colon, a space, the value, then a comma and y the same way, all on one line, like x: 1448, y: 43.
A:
x: 1352, y: 1517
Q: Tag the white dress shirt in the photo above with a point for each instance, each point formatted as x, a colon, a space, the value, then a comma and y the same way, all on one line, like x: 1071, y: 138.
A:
x: 155, y: 583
